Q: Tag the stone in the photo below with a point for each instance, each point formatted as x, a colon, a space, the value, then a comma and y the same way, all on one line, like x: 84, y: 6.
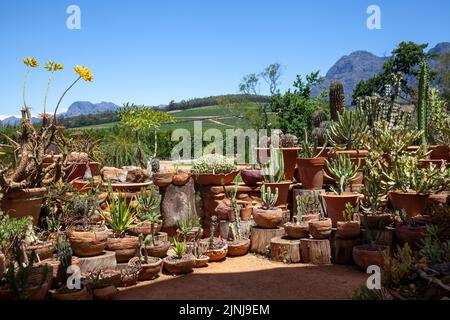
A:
x: 111, y: 173
x: 137, y: 175
x: 78, y: 157
x: 105, y: 261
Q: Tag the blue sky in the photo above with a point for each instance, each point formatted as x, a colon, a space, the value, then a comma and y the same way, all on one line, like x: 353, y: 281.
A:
x: 150, y: 52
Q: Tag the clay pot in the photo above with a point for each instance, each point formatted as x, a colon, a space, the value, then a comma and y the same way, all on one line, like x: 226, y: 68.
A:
x: 162, y: 179
x: 440, y: 152
x: 289, y: 157
x: 2, y: 264
x: 268, y: 219
x: 425, y: 163
x: 88, y: 244
x: 43, y: 251
x: 218, y: 254
x: 246, y: 213
x: 181, y: 178
x: 24, y: 202
x: 377, y: 221
x: 320, y: 229
x: 159, y: 250
x: 238, y: 249
x: 144, y: 228
x: 106, y: 293
x: 57, y: 270
x: 125, y: 248
x: 209, y: 179
x: 370, y: 254
x: 150, y: 270
x: 283, y: 191
x: 32, y: 293
x: 297, y: 231
x: 414, y: 204
x: 177, y: 265
x: 83, y: 186
x: 310, y: 217
x: 311, y: 172
x: 77, y: 170
x: 251, y: 177
x: 127, y: 187
x: 201, y: 262
x: 348, y: 229
x: 82, y: 294
x: 410, y: 234
x: 335, y: 204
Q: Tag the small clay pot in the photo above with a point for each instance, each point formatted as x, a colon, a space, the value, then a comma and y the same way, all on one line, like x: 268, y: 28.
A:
x: 335, y: 204
x: 162, y: 179
x: 238, y: 249
x: 82, y: 294
x: 310, y: 217
x: 201, y: 262
x: 377, y: 221
x: 414, y: 204
x: 209, y: 179
x: 159, y: 250
x: 150, y: 270
x: 251, y: 177
x: 410, y: 234
x: 311, y: 172
x: 268, y: 219
x: 88, y: 244
x: 106, y: 293
x: 348, y: 229
x: 283, y: 191
x: 125, y: 248
x: 43, y: 251
x: 32, y: 293
x: 440, y: 152
x: 144, y: 228
x: 176, y: 265
x: 370, y: 254
x: 218, y: 254
x: 246, y: 213
x: 181, y: 178
x: 320, y: 229
x: 297, y: 231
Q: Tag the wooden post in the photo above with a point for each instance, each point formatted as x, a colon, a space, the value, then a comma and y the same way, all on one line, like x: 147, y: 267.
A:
x: 344, y: 250
x: 315, y: 251
x: 285, y: 250
x: 261, y: 238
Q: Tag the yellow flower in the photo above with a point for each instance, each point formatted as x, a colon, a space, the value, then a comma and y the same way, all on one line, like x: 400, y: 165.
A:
x: 31, y: 62
x: 53, y: 66
x: 84, y: 72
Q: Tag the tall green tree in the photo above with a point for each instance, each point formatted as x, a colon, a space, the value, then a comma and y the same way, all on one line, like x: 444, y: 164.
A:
x: 443, y: 75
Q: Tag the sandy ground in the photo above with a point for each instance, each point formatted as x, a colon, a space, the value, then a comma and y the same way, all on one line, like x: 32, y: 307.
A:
x: 252, y: 278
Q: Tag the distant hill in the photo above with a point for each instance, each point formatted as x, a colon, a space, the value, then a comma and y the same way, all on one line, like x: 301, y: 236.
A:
x: 85, y: 107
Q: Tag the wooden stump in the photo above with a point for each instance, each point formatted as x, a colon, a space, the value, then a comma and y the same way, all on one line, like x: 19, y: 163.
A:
x: 246, y: 226
x: 386, y: 237
x: 344, y: 251
x: 315, y: 251
x: 261, y: 238
x: 284, y: 249
x: 302, y: 193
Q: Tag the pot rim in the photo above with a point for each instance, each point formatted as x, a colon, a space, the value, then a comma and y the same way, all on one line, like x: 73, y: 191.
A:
x: 409, y: 193
x: 342, y: 195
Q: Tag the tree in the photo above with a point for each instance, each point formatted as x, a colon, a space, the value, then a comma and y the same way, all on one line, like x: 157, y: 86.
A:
x: 271, y: 75
x: 443, y: 75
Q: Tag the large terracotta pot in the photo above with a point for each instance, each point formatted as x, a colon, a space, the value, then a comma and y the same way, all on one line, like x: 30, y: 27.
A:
x: 125, y: 248
x: 25, y: 202
x: 238, y: 249
x: 440, y: 152
x: 366, y: 255
x: 348, y: 229
x: 268, y: 219
x: 176, y: 265
x: 162, y: 179
x: 159, y: 250
x: 43, y: 251
x: 209, y: 179
x: 283, y: 191
x: 106, y: 293
x: 414, y: 204
x: 77, y: 170
x: 297, y: 231
x: 320, y: 229
x: 335, y: 205
x: 289, y: 157
x: 150, y: 270
x: 88, y: 244
x: 251, y: 177
x: 311, y: 172
x: 410, y: 234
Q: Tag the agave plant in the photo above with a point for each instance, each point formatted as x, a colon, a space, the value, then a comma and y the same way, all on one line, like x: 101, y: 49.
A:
x: 121, y: 215
x: 309, y: 150
x: 342, y: 171
x: 179, y: 247
x: 349, y: 130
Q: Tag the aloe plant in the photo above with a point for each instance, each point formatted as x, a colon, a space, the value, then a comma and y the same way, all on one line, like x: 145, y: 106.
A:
x: 179, y: 247
x: 342, y: 171
x: 273, y: 170
x: 121, y: 215
x: 349, y: 130
x: 308, y: 150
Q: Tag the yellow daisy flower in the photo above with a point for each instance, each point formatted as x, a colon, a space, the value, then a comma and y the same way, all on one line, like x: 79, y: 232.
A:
x: 31, y: 62
x: 84, y: 73
x: 53, y: 66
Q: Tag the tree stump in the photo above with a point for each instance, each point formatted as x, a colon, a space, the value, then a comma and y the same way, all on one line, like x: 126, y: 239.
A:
x: 384, y: 237
x: 261, y: 238
x: 285, y: 250
x: 315, y: 251
x: 344, y: 250
x: 303, y: 193
x: 246, y: 226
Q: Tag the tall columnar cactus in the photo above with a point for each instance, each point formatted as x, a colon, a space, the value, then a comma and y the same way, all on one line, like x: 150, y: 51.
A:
x: 273, y: 170
x: 422, y: 104
x: 337, y: 99
x: 212, y: 230
x: 268, y: 198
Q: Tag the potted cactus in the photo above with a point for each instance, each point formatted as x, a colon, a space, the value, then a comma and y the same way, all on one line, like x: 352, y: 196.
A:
x: 310, y: 164
x: 349, y: 228
x: 210, y: 169
x: 268, y: 216
x: 321, y: 228
x: 198, y: 249
x: 440, y: 125
x: 298, y: 229
x: 181, y: 262
x: 155, y: 247
x: 151, y: 266
x: 217, y: 247
x: 238, y: 245
x: 148, y: 207
x: 408, y: 229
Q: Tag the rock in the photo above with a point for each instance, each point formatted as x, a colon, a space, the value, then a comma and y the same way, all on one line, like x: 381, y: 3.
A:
x: 78, y: 157
x: 137, y: 175
x: 105, y: 261
x: 111, y: 173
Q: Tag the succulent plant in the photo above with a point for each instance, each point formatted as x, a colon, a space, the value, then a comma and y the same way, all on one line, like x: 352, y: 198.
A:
x: 236, y: 225
x: 212, y: 231
x: 310, y: 150
x: 349, y: 130
x: 440, y: 120
x: 213, y: 163
x: 288, y: 141
x: 342, y: 171
x: 373, y: 190
x: 422, y: 104
x: 268, y: 198
x: 337, y: 99
x: 348, y: 212
x: 121, y: 215
x: 273, y: 170
x: 179, y: 247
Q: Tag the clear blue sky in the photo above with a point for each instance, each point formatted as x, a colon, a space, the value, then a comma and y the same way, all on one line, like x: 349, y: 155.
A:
x: 150, y: 52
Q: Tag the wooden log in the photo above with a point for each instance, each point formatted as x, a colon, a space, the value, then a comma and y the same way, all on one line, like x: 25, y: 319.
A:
x: 344, y: 250
x: 285, y: 250
x: 261, y: 238
x: 224, y: 228
x: 384, y: 237
x: 315, y: 251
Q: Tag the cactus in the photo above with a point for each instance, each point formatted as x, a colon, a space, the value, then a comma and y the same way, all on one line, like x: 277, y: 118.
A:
x: 422, y: 104
x: 268, y: 198
x: 342, y: 171
x: 337, y: 99
x: 64, y: 251
x: 288, y: 141
x: 309, y: 150
x: 212, y: 230
x: 233, y: 203
x: 348, y: 212
x: 300, y: 207
x: 273, y: 170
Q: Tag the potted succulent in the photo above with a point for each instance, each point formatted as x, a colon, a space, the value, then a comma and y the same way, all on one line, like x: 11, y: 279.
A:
x: 342, y: 171
x: 103, y: 284
x: 300, y: 228
x: 163, y: 178
x: 251, y: 176
x: 320, y: 229
x: 181, y: 177
x: 119, y: 219
x: 268, y: 216
x: 217, y: 247
x: 188, y: 226
x: 409, y: 229
x: 210, y: 169
x: 310, y: 164
x: 238, y: 245
x: 148, y: 218
x: 349, y: 228
x: 151, y: 266
x: 273, y: 173
x: 79, y: 167
x: 156, y: 248
x: 440, y: 127
x: 180, y: 262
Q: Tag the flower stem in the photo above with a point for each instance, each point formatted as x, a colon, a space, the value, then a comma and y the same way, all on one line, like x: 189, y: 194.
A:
x: 24, y: 87
x: 46, y: 92
x: 67, y: 90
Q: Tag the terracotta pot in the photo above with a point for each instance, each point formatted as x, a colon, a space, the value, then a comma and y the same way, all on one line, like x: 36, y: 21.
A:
x: 57, y: 276
x: 414, y: 204
x: 310, y: 217
x: 24, y: 202
x: 268, y: 219
x: 377, y: 221
x: 179, y: 266
x: 162, y: 179
x: 440, y: 152
x: 106, y: 293
x: 218, y: 254
x: 283, y: 191
x: 125, y: 248
x: 311, y: 172
x: 127, y: 186
x: 159, y: 250
x: 43, y: 251
x: 201, y: 262
x: 335, y: 205
x: 181, y: 178
x: 82, y: 185
x: 32, y: 293
x: 410, y: 234
x: 425, y: 163
x: 2, y: 264
x: 289, y: 157
x: 144, y: 228
x: 320, y: 229
x: 251, y: 177
x: 348, y: 229
x: 297, y: 231
x: 82, y: 294
x: 246, y: 213
x: 150, y: 270
x: 238, y: 249
x: 366, y: 255
x: 88, y: 244
x: 209, y: 179
x: 77, y: 170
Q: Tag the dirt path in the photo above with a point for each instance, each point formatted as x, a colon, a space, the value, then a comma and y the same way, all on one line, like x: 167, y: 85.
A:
x: 251, y: 277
